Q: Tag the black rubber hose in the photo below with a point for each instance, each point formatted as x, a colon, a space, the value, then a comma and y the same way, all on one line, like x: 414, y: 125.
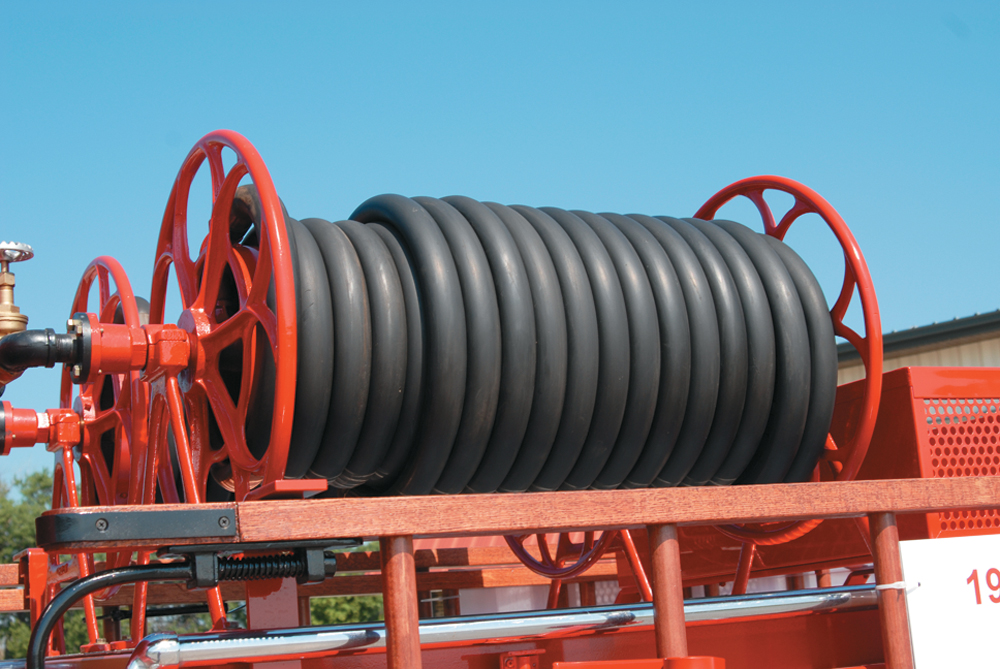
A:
x: 409, y: 411
x: 443, y: 316
x: 582, y: 350
x: 388, y: 353
x: 39, y: 348
x: 823, y: 351
x: 787, y: 419
x: 705, y: 357
x: 482, y: 322
x: 732, y: 352
x: 760, y: 352
x: 351, y: 349
x: 71, y: 594
x: 315, y: 360
x: 518, y: 352
x: 675, y: 351
x: 549, y: 358
x: 477, y: 347
x: 613, y: 351
x: 644, y: 347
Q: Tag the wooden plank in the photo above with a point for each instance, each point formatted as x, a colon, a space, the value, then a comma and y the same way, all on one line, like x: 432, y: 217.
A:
x: 450, y: 515
x: 10, y: 574
x: 12, y: 599
x: 589, y: 510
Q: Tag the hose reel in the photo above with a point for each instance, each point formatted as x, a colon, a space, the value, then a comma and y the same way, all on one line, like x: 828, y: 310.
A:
x: 430, y: 345
x: 449, y: 345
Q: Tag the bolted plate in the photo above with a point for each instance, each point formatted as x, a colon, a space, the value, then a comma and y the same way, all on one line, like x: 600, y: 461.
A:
x: 123, y: 526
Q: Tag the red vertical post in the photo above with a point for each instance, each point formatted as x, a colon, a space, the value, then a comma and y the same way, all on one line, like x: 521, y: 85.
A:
x: 744, y: 568
x: 305, y: 612
x: 399, y: 590
x: 272, y: 603
x: 668, y: 592
x: 891, y: 592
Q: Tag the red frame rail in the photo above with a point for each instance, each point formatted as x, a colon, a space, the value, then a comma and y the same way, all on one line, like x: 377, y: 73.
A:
x: 395, y: 521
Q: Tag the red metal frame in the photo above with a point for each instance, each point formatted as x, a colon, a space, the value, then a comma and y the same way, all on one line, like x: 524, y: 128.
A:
x: 119, y: 481
x: 183, y: 398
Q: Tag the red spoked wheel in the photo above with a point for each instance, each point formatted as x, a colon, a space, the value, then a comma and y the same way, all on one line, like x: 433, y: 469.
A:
x: 112, y: 406
x: 869, y: 346
x: 570, y: 558
x: 112, y: 410
x: 237, y: 333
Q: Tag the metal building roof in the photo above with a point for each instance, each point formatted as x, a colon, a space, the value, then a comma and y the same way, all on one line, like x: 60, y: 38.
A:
x: 929, y: 336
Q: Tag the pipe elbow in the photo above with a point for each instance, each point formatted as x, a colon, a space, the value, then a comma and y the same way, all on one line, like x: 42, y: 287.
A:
x: 37, y: 348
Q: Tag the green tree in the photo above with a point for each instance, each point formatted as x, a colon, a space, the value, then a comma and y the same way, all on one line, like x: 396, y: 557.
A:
x: 17, y: 532
x: 17, y: 516
x: 348, y: 609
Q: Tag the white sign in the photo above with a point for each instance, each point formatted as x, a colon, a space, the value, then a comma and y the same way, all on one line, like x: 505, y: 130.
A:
x: 953, y: 600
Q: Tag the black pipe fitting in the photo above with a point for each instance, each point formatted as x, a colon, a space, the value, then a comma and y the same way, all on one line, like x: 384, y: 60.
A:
x: 38, y: 348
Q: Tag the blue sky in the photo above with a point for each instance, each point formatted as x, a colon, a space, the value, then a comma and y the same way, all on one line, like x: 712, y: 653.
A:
x: 888, y: 110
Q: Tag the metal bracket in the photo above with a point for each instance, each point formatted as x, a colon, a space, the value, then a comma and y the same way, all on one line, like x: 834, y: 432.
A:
x: 521, y: 659
x: 123, y: 526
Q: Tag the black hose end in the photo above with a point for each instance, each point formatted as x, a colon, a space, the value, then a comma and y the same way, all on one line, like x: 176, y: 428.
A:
x: 39, y: 348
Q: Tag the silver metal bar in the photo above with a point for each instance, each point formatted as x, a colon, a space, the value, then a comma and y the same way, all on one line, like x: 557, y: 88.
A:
x: 168, y: 651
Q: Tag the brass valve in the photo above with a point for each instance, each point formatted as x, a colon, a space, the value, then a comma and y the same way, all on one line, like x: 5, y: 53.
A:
x: 11, y: 318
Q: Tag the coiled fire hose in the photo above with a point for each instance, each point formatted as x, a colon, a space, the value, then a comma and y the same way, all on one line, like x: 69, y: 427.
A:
x: 449, y: 345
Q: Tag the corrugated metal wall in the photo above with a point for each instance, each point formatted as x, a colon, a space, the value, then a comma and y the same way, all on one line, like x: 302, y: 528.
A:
x: 979, y: 353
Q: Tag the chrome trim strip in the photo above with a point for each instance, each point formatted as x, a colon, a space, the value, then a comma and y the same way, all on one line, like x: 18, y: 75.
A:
x: 168, y: 651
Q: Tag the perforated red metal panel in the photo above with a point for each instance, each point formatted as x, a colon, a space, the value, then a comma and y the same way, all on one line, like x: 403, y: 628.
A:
x: 960, y: 439
x: 932, y: 422
x: 936, y: 422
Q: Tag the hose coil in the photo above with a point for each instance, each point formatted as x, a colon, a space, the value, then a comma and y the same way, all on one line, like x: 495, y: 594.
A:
x: 449, y: 345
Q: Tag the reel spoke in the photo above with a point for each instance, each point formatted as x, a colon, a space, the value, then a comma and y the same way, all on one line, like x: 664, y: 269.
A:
x: 218, y: 249
x: 571, y: 559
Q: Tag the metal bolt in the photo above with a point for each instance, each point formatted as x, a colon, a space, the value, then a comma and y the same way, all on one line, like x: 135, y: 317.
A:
x: 102, y: 525
x: 77, y: 370
x: 223, y: 522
